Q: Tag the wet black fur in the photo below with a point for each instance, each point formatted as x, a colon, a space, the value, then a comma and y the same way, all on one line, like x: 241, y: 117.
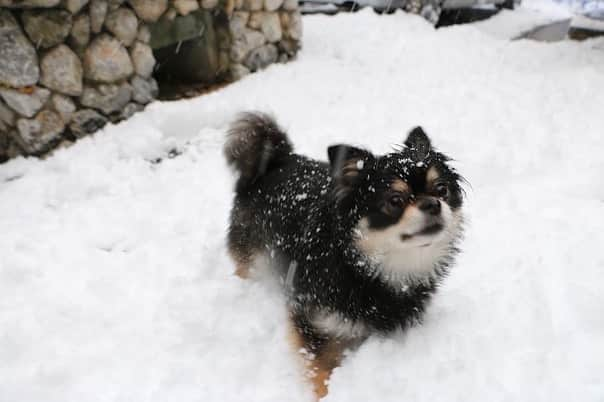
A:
x: 305, y: 212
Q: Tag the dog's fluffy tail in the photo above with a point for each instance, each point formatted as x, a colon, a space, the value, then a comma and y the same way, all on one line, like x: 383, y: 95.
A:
x: 254, y: 144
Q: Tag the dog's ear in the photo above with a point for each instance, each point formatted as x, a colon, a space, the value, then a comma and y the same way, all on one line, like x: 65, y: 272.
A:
x: 348, y: 165
x: 418, y: 143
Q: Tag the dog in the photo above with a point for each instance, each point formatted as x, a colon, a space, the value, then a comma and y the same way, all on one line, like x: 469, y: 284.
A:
x: 361, y: 242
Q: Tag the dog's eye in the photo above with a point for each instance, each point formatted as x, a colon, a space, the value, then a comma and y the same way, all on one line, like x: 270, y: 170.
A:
x: 441, y: 190
x: 396, y: 201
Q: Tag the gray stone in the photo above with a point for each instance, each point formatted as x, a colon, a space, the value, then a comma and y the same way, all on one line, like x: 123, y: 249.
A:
x: 253, y: 5
x: 115, y: 4
x: 7, y: 116
x: 144, y: 91
x: 74, y: 6
x: 272, y: 5
x: 98, y: 13
x: 184, y: 7
x: 26, y: 104
x: 238, y: 23
x: 86, y: 121
x: 144, y: 35
x: 123, y: 24
x: 261, y: 57
x: 80, y: 32
x: 38, y: 134
x: 46, y: 28
x: 255, y: 21
x: 18, y: 60
x: 224, y: 61
x: 107, y: 98
x: 106, y: 60
x: 130, y: 109
x: 289, y: 46
x: 223, y: 37
x: 238, y: 71
x: 245, y: 43
x: 170, y: 14
x: 290, y: 5
x: 29, y: 3
x: 292, y: 25
x: 271, y: 27
x: 149, y: 10
x: 229, y: 7
x: 143, y: 59
x: 209, y: 4
x: 62, y: 71
x: 64, y: 106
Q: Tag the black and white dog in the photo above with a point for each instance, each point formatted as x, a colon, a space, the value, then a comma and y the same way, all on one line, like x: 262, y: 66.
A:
x: 362, y: 241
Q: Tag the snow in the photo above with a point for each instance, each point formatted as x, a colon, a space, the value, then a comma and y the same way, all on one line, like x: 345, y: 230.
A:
x: 115, y: 284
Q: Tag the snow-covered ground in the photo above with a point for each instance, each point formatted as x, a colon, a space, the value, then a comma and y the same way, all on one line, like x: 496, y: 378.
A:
x: 115, y: 284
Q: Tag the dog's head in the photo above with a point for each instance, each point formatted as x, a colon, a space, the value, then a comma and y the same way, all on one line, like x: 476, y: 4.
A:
x: 406, y: 205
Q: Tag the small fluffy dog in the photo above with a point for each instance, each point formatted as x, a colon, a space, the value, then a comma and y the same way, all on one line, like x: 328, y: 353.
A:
x: 361, y: 242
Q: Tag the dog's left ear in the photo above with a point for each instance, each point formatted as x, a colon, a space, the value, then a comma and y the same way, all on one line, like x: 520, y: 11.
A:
x: 348, y: 165
x: 419, y: 144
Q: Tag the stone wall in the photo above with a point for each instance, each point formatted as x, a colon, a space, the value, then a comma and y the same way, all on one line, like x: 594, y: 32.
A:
x: 67, y: 67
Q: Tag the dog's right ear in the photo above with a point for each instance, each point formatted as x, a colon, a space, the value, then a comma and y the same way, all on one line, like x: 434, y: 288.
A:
x: 348, y: 165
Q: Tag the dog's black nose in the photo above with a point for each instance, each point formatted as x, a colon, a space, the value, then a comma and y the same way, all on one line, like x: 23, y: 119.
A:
x: 429, y: 205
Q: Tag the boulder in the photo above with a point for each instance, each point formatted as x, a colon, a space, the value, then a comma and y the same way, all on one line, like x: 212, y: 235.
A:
x: 62, y: 71
x: 209, y: 4
x: 19, y: 61
x: 238, y: 71
x: 272, y: 5
x: 46, y: 28
x: 74, y: 6
x: 184, y: 7
x: 80, y: 31
x: 38, y: 134
x: 144, y: 35
x: 149, y: 10
x: 262, y: 57
x: 107, y: 98
x: 290, y: 5
x: 86, y: 121
x: 64, y: 106
x: 292, y: 25
x: 246, y: 42
x: 130, y: 109
x: 270, y: 25
x: 253, y: 5
x: 98, y: 13
x: 123, y: 24
x: 144, y: 91
x: 238, y: 22
x: 7, y: 116
x: 107, y: 60
x: 255, y: 21
x: 25, y: 103
x: 29, y: 3
x: 143, y: 59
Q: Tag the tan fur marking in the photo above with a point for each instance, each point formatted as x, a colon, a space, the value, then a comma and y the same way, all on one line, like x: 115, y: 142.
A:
x: 324, y: 363
x: 432, y: 175
x: 400, y: 186
x: 318, y: 367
